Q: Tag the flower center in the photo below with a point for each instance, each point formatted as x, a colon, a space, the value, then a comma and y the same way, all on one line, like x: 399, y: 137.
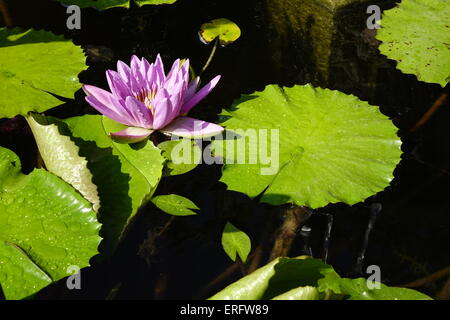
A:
x: 146, y: 97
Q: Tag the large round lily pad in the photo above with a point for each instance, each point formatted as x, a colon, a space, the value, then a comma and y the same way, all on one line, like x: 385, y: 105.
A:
x: 417, y: 35
x: 332, y: 147
x: 33, y: 66
x: 46, y: 229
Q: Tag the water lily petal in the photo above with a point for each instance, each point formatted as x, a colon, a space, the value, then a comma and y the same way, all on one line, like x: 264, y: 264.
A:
x: 159, y: 70
x: 191, y: 89
x: 185, y: 70
x: 105, y: 103
x: 136, y: 83
x: 145, y: 65
x: 103, y: 109
x: 163, y: 113
x: 124, y: 71
x: 196, y: 98
x: 143, y: 96
x: 150, y: 77
x: 192, y: 128
x: 137, y: 76
x: 174, y: 73
x: 131, y: 135
x: 176, y: 96
x: 117, y: 85
x: 141, y: 114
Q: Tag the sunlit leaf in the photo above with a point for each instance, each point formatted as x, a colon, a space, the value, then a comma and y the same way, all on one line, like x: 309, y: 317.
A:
x: 416, y: 34
x: 175, y: 205
x: 182, y: 156
x: 33, y: 66
x: 60, y: 155
x: 125, y: 175
x: 307, y: 146
x: 46, y: 227
x: 305, y: 278
x: 301, y: 293
x: 235, y: 241
x: 227, y: 31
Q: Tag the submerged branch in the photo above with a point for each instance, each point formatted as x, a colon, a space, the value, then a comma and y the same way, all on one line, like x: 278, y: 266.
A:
x: 295, y: 217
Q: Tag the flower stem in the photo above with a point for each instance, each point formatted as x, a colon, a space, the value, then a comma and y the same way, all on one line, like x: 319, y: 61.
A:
x: 211, y: 56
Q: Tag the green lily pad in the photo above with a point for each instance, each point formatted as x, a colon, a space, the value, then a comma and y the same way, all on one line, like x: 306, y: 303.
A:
x: 357, y: 289
x: 33, y: 66
x: 417, y: 35
x: 235, y: 241
x: 182, y: 156
x: 301, y: 293
x: 60, y: 155
x: 305, y: 278
x: 106, y: 4
x: 323, y: 147
x: 227, y: 31
x: 46, y: 227
x: 126, y: 175
x: 175, y: 205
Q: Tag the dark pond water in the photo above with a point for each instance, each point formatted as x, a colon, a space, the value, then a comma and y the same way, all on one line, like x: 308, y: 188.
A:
x: 410, y: 237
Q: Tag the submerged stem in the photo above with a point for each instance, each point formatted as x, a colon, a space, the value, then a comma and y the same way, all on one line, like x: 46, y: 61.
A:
x: 295, y: 217
x: 375, y: 209
x: 7, y: 20
x: 327, y: 236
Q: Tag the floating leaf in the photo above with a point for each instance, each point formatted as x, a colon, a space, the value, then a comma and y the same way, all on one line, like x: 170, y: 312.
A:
x: 235, y: 241
x: 175, y: 205
x: 301, y: 293
x: 106, y: 4
x: 417, y: 35
x: 33, y: 66
x: 276, y: 278
x: 250, y: 287
x: 182, y: 156
x: 61, y: 157
x: 357, y: 289
x: 46, y: 226
x: 309, y: 146
x: 126, y: 175
x: 227, y: 31
x: 305, y: 278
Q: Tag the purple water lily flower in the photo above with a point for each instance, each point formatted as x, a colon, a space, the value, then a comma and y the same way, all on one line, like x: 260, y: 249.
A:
x: 145, y: 99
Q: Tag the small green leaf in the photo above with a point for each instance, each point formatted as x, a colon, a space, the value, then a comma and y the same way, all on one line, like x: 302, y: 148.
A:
x: 46, y: 227
x: 235, y: 241
x: 310, y: 146
x: 175, y: 205
x: 182, y: 156
x: 125, y: 175
x: 106, y: 4
x: 416, y: 34
x: 227, y: 31
x: 33, y: 66
x: 61, y: 157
